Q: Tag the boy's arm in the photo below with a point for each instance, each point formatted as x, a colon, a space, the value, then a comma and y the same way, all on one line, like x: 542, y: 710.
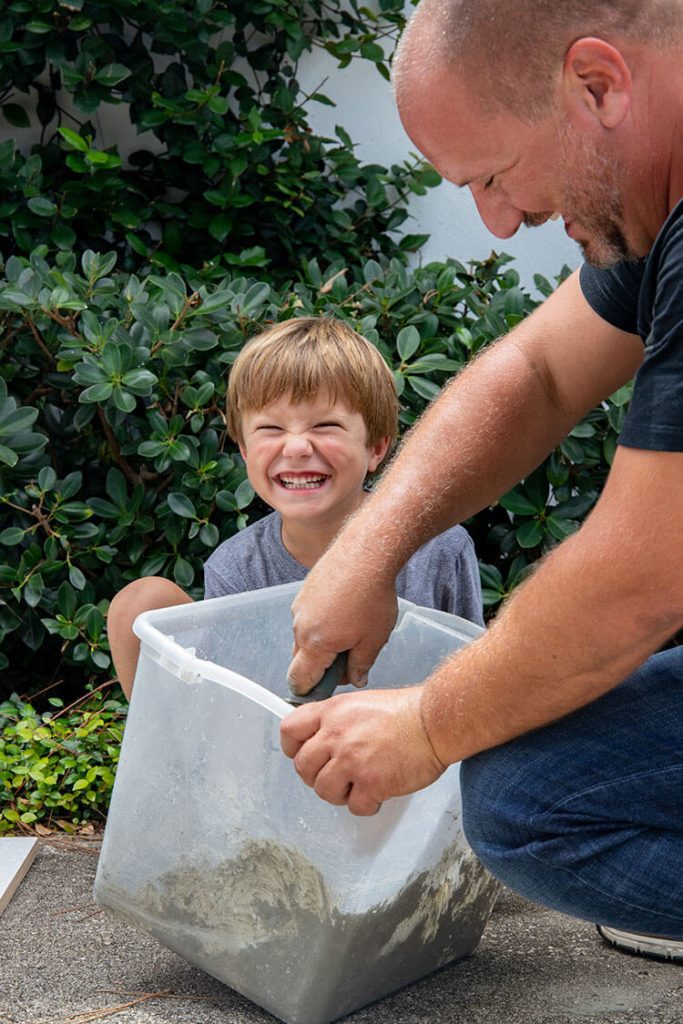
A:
x: 490, y: 427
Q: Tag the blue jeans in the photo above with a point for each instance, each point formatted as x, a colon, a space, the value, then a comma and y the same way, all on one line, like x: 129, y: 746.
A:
x: 586, y: 815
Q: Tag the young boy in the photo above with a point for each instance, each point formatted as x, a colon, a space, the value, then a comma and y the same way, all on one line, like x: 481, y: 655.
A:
x: 313, y: 408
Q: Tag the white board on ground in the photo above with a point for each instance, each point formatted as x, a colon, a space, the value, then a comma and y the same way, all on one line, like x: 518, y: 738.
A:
x: 16, y: 855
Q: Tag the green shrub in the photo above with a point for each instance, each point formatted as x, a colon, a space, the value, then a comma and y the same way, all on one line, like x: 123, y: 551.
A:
x: 114, y: 459
x: 229, y: 172
x: 57, y: 768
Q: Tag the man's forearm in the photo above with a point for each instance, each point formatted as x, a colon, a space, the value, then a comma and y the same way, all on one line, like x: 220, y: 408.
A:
x: 491, y: 426
x: 595, y: 609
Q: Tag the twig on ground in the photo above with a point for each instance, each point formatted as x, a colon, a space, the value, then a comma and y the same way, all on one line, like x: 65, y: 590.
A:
x: 92, y: 908
x: 107, y: 1011
x: 81, y: 846
x: 71, y: 910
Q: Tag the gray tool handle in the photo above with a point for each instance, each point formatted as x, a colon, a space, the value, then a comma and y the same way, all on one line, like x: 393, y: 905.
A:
x: 327, y: 685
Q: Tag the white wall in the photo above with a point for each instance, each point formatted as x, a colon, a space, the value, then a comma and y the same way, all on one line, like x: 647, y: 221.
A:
x: 365, y: 107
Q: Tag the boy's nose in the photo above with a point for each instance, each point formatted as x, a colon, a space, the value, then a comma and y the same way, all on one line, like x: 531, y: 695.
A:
x: 297, y: 446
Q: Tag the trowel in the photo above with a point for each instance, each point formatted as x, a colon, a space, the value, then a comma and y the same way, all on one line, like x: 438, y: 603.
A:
x: 332, y: 676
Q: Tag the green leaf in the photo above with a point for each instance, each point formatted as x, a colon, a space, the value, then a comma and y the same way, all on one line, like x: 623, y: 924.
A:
x: 12, y: 536
x: 529, y: 534
x: 42, y: 206
x: 407, y: 342
x: 200, y: 338
x: 255, y: 297
x: 67, y: 602
x: 209, y: 535
x: 212, y: 303
x: 560, y: 528
x: 424, y: 388
x: 74, y: 139
x: 220, y: 226
x: 97, y: 393
x: 343, y: 136
x: 62, y: 235
x: 583, y: 430
x: 139, y: 381
x: 15, y: 115
x: 15, y: 298
x: 123, y: 400
x: 372, y: 51
x: 181, y: 505
x: 33, y: 590
x: 76, y: 577
x: 244, y: 495
x: 183, y: 572
x: 519, y: 505
x: 7, y: 456
x: 112, y: 74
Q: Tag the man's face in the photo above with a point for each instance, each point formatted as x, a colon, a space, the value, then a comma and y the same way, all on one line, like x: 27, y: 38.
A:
x: 520, y: 173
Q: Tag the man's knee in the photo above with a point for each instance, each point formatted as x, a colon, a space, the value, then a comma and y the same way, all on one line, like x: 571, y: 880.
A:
x: 493, y: 817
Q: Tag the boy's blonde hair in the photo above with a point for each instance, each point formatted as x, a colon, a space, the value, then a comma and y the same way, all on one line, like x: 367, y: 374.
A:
x: 308, y: 356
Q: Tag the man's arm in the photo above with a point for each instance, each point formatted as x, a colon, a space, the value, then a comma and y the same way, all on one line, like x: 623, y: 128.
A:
x: 490, y: 427
x: 597, y: 606
x: 595, y: 609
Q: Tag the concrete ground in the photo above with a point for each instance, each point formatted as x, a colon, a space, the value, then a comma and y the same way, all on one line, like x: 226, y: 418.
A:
x: 65, y: 961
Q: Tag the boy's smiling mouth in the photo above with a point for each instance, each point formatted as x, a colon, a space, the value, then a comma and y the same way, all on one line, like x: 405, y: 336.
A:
x: 302, y: 481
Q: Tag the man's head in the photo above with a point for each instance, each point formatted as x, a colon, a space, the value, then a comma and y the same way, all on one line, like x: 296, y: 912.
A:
x: 306, y: 357
x: 541, y: 106
x: 511, y: 54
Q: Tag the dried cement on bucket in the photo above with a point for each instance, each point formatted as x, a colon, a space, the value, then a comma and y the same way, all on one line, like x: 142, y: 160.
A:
x: 265, y: 923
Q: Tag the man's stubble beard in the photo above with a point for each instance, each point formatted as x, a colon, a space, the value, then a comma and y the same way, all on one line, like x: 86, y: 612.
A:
x: 591, y: 197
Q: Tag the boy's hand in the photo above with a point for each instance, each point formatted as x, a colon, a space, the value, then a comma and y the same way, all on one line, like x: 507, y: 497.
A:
x: 359, y: 749
x: 339, y: 609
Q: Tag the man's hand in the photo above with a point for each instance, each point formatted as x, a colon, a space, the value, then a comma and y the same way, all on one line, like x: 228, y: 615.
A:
x: 359, y: 749
x: 340, y: 609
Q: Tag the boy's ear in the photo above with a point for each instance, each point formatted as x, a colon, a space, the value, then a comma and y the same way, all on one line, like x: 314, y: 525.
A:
x: 377, y: 452
x: 243, y: 450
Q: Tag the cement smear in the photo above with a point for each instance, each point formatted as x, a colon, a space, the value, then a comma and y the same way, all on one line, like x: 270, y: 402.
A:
x: 265, y: 923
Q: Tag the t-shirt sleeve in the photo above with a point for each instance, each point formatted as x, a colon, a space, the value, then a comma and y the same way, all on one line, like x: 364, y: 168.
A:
x: 466, y: 585
x: 444, y: 574
x: 655, y: 417
x: 218, y: 579
x: 613, y: 293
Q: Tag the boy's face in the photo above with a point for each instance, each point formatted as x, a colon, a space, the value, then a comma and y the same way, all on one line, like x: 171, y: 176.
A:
x: 309, y: 460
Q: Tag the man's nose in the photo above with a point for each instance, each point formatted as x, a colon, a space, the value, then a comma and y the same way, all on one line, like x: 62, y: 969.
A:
x: 500, y: 217
x: 297, y: 446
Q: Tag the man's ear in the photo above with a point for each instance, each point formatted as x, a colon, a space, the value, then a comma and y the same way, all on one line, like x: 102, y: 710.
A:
x: 377, y: 452
x: 597, y: 82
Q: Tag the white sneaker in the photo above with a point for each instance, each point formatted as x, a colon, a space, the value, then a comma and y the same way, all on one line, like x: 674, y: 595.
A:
x: 653, y: 946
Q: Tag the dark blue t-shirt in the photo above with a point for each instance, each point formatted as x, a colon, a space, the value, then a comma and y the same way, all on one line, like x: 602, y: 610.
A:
x: 646, y: 298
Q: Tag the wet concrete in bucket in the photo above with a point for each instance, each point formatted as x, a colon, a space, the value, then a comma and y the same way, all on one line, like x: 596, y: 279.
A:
x: 264, y: 923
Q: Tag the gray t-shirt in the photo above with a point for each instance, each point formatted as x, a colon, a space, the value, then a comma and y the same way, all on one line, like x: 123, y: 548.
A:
x: 442, y: 574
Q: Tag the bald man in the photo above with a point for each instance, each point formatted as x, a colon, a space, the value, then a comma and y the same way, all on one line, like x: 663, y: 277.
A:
x: 568, y: 722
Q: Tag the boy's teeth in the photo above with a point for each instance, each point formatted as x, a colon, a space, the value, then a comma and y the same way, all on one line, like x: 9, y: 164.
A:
x: 302, y: 481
